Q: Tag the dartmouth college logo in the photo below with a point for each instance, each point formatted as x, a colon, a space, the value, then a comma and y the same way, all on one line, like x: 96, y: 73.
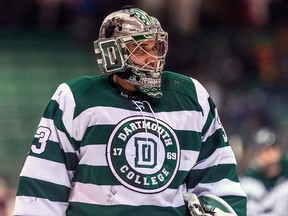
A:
x: 143, y: 154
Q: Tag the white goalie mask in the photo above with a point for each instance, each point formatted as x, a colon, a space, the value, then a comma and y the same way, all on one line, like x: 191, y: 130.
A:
x: 124, y: 33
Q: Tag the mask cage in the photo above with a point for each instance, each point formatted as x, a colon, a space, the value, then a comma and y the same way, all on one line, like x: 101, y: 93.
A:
x: 113, y: 55
x: 157, y: 55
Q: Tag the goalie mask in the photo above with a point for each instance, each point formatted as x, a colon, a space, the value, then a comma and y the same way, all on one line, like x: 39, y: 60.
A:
x: 123, y: 36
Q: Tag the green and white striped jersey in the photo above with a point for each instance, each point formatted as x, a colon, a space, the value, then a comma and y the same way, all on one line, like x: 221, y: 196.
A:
x: 96, y: 152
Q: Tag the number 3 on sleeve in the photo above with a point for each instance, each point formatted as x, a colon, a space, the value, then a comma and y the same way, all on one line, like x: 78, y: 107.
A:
x: 43, y: 134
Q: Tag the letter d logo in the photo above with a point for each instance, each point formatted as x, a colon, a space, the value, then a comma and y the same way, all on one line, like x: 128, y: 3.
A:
x: 145, y: 152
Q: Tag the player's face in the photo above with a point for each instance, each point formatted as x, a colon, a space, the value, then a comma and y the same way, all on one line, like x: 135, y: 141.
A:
x: 268, y: 158
x: 144, y: 54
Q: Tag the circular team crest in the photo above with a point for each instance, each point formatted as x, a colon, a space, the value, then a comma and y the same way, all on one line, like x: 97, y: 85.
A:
x: 143, y: 154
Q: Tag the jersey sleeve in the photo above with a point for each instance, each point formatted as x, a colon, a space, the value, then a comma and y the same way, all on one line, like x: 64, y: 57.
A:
x: 46, y: 177
x: 216, y: 169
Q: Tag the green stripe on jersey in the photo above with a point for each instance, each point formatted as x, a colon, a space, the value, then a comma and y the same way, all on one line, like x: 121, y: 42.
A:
x: 77, y: 209
x: 100, y: 175
x: 34, y: 188
x: 212, y: 174
x: 54, y: 113
x: 97, y: 91
x: 54, y: 152
x: 99, y: 134
x: 210, y: 117
x: 209, y: 146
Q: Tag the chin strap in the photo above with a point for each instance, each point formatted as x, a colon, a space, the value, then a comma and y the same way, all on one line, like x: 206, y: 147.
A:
x: 125, y: 74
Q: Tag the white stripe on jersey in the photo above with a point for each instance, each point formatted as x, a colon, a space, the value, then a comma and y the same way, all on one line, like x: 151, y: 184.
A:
x: 224, y: 187
x: 32, y: 206
x: 220, y: 156
x: 202, y: 98
x: 188, y: 159
x: 120, y: 195
x: 178, y: 120
x: 64, y: 97
x: 95, y: 155
x: 46, y: 170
